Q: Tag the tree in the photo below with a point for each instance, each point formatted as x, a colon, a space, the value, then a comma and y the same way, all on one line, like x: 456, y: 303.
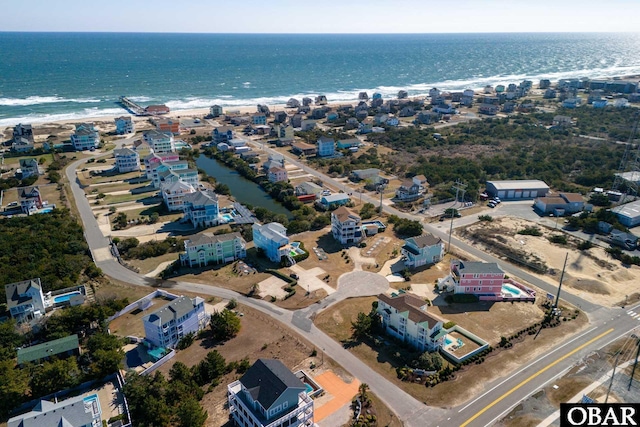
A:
x: 190, y: 413
x: 429, y: 361
x: 364, y: 396
x: 53, y: 376
x: 367, y: 211
x: 14, y: 384
x: 212, y: 367
x: 222, y: 189
x: 121, y: 220
x: 361, y: 328
x: 225, y: 325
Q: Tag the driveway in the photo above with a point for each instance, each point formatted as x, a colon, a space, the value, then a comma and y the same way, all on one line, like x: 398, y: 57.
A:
x: 309, y: 279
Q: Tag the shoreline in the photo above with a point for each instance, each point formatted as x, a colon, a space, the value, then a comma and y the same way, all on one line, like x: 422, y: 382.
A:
x: 251, y: 109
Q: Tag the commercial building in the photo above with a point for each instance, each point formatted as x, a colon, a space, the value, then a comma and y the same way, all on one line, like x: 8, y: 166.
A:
x: 517, y: 189
x: 166, y: 326
x: 563, y: 204
x: 628, y: 214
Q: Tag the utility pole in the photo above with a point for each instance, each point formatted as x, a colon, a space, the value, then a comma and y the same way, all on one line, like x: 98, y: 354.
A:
x: 555, y: 303
x: 635, y: 361
x: 459, y: 186
x: 612, y: 375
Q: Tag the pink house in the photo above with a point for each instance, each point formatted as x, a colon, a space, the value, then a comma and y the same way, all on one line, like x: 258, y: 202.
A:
x: 154, y: 159
x: 277, y: 174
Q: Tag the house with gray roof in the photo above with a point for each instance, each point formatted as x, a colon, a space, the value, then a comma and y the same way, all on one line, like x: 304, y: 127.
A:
x: 25, y: 300
x: 206, y: 248
x: 29, y: 167
x: 30, y: 199
x: 166, y: 326
x: 269, y: 394
x: 201, y: 208
x: 127, y: 160
x: 272, y: 239
x: 422, y: 250
x: 79, y: 411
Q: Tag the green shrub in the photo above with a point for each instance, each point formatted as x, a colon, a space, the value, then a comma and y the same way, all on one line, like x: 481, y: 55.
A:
x: 530, y: 231
x: 560, y: 239
x: 449, y: 325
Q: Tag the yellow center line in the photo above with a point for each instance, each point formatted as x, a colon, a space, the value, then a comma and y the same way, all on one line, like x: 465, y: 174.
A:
x: 489, y: 406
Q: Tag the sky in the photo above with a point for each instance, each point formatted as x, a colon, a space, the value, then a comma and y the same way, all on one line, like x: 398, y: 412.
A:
x: 324, y: 16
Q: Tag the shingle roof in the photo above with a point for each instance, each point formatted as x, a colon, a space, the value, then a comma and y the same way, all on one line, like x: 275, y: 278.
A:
x: 344, y: 214
x: 207, y: 238
x: 67, y: 413
x: 572, y: 197
x: 201, y: 198
x: 171, y: 311
x: 426, y: 240
x: 411, y: 303
x: 48, y: 349
x: 272, y: 231
x: 473, y: 267
x: 268, y: 379
x: 28, y: 192
x: 14, y: 290
x: 324, y: 139
x: 123, y: 152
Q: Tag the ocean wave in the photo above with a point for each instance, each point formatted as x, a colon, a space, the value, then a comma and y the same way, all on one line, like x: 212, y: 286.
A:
x: 86, y: 113
x: 35, y: 100
x: 140, y: 98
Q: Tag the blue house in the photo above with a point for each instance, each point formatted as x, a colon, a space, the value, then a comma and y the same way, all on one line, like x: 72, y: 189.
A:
x: 423, y: 250
x: 348, y: 143
x: 259, y: 119
x: 272, y: 239
x: 201, y: 208
x: 600, y: 103
x: 326, y: 146
x: 331, y: 116
x: 339, y: 199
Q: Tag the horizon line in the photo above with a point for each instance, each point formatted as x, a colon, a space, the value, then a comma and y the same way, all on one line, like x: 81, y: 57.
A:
x: 314, y: 33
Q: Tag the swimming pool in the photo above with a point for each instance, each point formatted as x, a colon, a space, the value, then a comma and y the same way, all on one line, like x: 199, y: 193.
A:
x: 65, y: 297
x: 309, y: 388
x: 295, y: 249
x: 227, y: 217
x: 506, y: 288
x: 45, y: 210
x: 447, y: 340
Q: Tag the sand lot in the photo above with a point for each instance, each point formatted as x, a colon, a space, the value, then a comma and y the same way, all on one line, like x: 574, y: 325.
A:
x: 591, y: 274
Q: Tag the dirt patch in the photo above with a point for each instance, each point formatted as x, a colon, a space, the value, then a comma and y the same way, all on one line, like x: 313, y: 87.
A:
x: 222, y: 276
x: 302, y: 299
x: 590, y: 274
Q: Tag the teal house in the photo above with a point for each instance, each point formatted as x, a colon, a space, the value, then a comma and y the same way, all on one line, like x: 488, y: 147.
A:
x: 423, y: 250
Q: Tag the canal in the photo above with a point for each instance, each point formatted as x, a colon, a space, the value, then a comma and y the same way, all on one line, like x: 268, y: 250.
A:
x: 242, y: 189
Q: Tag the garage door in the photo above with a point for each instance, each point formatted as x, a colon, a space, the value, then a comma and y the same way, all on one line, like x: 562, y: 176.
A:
x: 518, y: 194
x: 501, y: 194
x: 525, y: 194
x: 510, y: 194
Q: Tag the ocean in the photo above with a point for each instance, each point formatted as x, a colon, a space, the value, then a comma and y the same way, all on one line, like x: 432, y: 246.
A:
x: 59, y: 76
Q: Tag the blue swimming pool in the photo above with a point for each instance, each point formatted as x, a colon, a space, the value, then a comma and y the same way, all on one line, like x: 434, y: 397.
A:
x: 511, y: 290
x: 45, y: 210
x: 447, y: 340
x: 309, y: 388
x: 65, y: 297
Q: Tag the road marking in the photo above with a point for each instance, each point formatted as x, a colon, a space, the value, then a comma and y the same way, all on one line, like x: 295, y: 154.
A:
x: 541, y: 371
x: 630, y: 311
x: 526, y: 367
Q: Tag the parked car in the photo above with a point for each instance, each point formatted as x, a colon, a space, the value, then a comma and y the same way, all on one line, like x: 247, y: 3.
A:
x: 491, y: 205
x: 496, y: 200
x: 294, y: 276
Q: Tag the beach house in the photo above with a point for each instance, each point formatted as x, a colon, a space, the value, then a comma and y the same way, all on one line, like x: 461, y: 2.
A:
x: 160, y: 142
x: 477, y: 278
x: 422, y: 250
x: 326, y: 146
x: 124, y: 125
x: 201, y: 208
x: 25, y: 300
x: 276, y: 174
x: 405, y: 317
x: 157, y: 171
x: 29, y: 167
x: 30, y: 199
x: 127, y: 160
x: 348, y: 143
x: 23, y: 131
x: 154, y: 159
x: 167, y: 125
x: 85, y: 137
x: 215, y: 111
x: 346, y: 226
x: 78, y: 411
x: 269, y: 394
x: 259, y: 119
x: 166, y: 326
x: 272, y: 239
x: 337, y: 199
x: 207, y: 248
x: 173, y: 194
x: 222, y: 134
x: 22, y: 145
x: 408, y: 191
x: 284, y: 133
x: 58, y: 348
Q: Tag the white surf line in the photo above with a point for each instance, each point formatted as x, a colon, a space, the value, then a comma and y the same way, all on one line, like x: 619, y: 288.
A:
x: 526, y: 367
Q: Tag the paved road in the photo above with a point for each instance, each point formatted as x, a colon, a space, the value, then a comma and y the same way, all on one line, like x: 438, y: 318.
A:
x: 606, y: 324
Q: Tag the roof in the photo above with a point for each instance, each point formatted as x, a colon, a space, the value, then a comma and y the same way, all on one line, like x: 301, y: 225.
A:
x: 28, y: 192
x: 76, y: 411
x: 474, y: 267
x: 338, y: 197
x: 125, y: 118
x: 48, y: 349
x: 169, y: 187
x: 630, y: 210
x: 156, y: 134
x: 267, y: 379
x: 425, y: 240
x: 303, y: 146
x: 325, y: 139
x: 552, y: 200
x: 224, y: 129
x: 201, y: 198
x: 28, y: 163
x: 210, y: 238
x: 519, y: 184
x: 14, y: 290
x: 272, y: 231
x: 411, y: 303
x: 171, y: 311
x: 420, y: 178
x: 352, y: 141
x: 309, y: 187
x: 572, y: 197
x: 344, y: 214
x: 124, y: 152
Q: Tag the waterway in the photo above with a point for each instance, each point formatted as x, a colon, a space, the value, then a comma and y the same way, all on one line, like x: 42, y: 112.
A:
x: 242, y: 189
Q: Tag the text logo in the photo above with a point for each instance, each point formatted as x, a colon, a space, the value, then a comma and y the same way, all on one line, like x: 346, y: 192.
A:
x: 599, y: 414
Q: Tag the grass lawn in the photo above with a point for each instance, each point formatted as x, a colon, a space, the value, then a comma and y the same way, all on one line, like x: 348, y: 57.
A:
x: 161, y: 210
x: 141, y: 198
x: 87, y: 179
x: 14, y: 162
x: 469, y: 381
x: 147, y: 265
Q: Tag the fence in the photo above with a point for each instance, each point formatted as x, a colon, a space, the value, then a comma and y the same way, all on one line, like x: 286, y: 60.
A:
x: 139, y: 303
x: 459, y: 359
x: 159, y: 363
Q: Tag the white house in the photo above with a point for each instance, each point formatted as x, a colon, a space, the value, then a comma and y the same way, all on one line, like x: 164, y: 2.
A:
x: 166, y: 326
x: 29, y: 167
x: 25, y: 300
x: 346, y: 226
x: 127, y: 160
x: 160, y: 142
x: 269, y: 394
x: 272, y: 239
x: 173, y: 194
x: 405, y: 317
x: 124, y: 125
x: 276, y: 174
x: 86, y: 137
x: 326, y: 146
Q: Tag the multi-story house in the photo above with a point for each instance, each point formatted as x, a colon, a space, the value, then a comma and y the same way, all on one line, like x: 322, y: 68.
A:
x: 124, y: 125
x: 155, y: 170
x: 259, y: 119
x: 222, y: 134
x: 160, y: 142
x: 408, y: 191
x: 478, y: 278
x: 423, y: 250
x: 188, y: 176
x: 30, y: 199
x: 215, y: 111
x: 29, y: 167
x: 127, y: 160
x: 405, y: 317
x: 326, y: 146
x: 167, y: 125
x: 269, y: 395
x: 25, y: 300
x: 206, y: 248
x: 166, y: 326
x: 86, y: 137
x: 276, y: 174
x: 22, y: 145
x: 23, y: 131
x: 79, y: 411
x: 272, y: 239
x: 201, y: 208
x: 284, y: 133
x: 173, y: 194
x: 346, y: 226
x: 154, y: 159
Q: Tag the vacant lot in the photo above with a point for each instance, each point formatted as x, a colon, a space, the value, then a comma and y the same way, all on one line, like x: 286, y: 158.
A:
x: 336, y: 322
x: 222, y: 276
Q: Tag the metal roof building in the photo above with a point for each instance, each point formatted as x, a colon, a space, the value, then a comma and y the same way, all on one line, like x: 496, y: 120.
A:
x: 628, y: 214
x: 517, y: 189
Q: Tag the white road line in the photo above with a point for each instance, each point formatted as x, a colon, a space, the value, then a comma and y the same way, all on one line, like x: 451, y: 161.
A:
x: 526, y: 367
x: 630, y: 311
